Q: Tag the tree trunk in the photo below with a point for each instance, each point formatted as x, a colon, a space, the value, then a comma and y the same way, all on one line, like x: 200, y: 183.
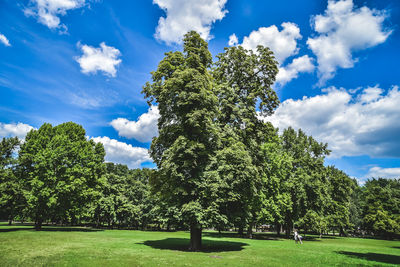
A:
x: 288, y: 230
x: 250, y: 230
x: 195, y: 238
x: 240, y: 231
x: 342, y: 232
x: 278, y: 229
x: 9, y: 221
x: 38, y: 225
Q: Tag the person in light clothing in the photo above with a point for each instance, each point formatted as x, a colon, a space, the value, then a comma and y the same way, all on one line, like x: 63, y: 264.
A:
x: 297, y: 237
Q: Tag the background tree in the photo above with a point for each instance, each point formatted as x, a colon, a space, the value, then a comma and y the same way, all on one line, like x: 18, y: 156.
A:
x: 356, y: 208
x: 309, y: 185
x: 244, y: 79
x: 382, y: 207
x: 12, y: 200
x: 125, y: 198
x: 113, y: 204
x: 182, y: 87
x: 341, y: 188
x: 62, y: 172
x: 232, y: 176
x: 277, y: 182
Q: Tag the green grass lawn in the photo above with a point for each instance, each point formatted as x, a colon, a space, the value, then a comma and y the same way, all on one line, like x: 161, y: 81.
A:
x: 22, y: 246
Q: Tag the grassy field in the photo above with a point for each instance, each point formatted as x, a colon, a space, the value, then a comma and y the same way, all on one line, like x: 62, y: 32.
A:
x: 62, y: 246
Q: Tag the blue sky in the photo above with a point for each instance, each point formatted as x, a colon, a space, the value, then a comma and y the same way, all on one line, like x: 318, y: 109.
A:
x: 86, y: 61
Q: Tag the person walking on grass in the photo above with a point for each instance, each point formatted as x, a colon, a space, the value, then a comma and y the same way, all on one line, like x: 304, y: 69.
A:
x: 297, y: 237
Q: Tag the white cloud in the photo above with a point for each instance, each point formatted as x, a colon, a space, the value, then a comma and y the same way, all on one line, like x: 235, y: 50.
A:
x: 233, y: 40
x: 183, y: 16
x: 14, y: 129
x: 363, y: 124
x: 119, y: 152
x: 370, y: 94
x: 342, y: 30
x: 143, y: 130
x: 283, y: 43
x: 378, y: 172
x: 105, y: 59
x: 292, y: 70
x: 48, y: 12
x: 4, y: 40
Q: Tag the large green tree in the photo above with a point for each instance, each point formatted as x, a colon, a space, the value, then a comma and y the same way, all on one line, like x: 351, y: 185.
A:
x: 62, y: 172
x: 183, y: 90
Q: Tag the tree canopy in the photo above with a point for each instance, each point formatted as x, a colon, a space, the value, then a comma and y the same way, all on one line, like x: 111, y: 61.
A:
x: 207, y: 115
x: 62, y: 171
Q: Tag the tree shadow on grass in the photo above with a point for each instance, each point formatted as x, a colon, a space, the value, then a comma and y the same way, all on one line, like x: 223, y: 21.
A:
x: 51, y: 229
x: 70, y: 229
x: 13, y: 229
x: 182, y: 244
x: 377, y: 257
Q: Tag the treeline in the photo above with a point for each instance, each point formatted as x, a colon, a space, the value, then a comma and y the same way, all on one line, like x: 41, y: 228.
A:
x: 58, y: 176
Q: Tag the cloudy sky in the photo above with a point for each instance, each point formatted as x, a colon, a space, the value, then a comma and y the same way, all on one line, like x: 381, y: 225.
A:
x: 87, y: 60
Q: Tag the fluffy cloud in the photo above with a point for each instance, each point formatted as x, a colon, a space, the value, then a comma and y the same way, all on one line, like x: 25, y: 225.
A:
x: 292, y: 70
x: 47, y: 12
x: 4, y: 40
x: 105, y: 59
x: 14, y: 129
x: 123, y: 153
x: 233, y: 40
x: 378, y: 172
x: 352, y: 123
x: 183, y: 16
x: 283, y: 43
x: 342, y: 30
x: 142, y: 130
